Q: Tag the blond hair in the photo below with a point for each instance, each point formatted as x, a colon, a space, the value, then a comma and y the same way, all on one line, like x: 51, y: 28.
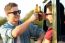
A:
x: 9, y: 6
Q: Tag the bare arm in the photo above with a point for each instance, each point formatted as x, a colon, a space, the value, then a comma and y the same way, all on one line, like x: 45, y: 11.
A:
x: 46, y: 41
x: 23, y: 27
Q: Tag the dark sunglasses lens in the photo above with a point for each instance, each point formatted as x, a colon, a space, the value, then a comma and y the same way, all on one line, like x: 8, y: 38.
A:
x: 48, y: 14
x: 15, y: 13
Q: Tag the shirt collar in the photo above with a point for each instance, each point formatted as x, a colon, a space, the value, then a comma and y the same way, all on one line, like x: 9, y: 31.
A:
x: 10, y: 23
x: 14, y: 25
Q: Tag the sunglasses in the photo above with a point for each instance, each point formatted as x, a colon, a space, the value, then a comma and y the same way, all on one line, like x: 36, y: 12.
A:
x: 15, y: 12
x: 48, y: 13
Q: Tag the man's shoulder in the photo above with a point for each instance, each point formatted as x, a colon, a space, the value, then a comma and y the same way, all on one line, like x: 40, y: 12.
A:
x: 5, y: 25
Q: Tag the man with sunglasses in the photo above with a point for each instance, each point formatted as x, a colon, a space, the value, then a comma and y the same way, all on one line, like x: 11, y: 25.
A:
x: 16, y: 31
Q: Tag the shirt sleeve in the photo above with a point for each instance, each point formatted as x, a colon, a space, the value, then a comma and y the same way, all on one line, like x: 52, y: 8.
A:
x: 48, y: 34
x: 35, y: 31
x: 5, y: 32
